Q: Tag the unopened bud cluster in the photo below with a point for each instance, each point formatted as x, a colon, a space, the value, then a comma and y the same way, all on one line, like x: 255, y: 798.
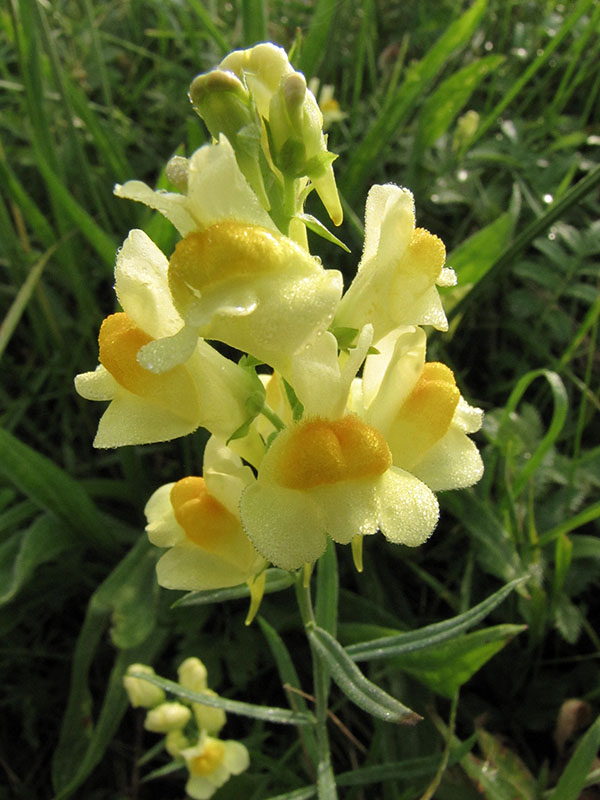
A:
x: 191, y: 729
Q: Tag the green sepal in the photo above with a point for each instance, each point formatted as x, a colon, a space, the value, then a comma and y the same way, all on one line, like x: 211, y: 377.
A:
x: 295, y: 404
x: 316, y: 226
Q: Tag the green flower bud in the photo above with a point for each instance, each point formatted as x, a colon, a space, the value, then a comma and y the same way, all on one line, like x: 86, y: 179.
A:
x: 221, y: 100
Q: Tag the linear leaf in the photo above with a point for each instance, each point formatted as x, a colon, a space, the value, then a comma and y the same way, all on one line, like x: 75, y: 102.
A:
x: 53, y: 490
x: 268, y: 713
x: 430, y: 635
x: 43, y: 541
x: 359, y: 689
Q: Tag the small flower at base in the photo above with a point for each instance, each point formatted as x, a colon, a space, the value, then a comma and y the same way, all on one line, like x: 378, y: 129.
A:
x: 211, y: 762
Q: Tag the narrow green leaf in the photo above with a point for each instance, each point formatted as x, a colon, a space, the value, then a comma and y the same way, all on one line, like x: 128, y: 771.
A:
x: 104, y: 244
x: 359, y: 689
x: 206, y: 20
x: 448, y: 100
x: 431, y: 634
x: 553, y: 42
x: 497, y: 550
x: 82, y: 747
x: 447, y: 666
x: 507, y: 258
x: 297, y: 794
x: 474, y: 256
x: 408, y: 770
x: 277, y: 580
x: 19, y: 304
x: 44, y: 540
x: 37, y: 221
x: 268, y: 713
x: 53, y: 490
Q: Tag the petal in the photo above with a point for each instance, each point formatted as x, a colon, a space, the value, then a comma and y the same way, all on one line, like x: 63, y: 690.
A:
x: 224, y: 474
x: 390, y: 375
x: 200, y: 788
x: 288, y: 311
x: 171, y: 205
x: 350, y: 508
x: 468, y: 419
x: 131, y: 419
x: 163, y: 529
x: 389, y: 222
x: 408, y: 510
x: 452, y: 463
x: 189, y: 567
x: 97, y: 385
x: 142, y: 286
x: 218, y: 191
x: 236, y: 758
x: 284, y: 525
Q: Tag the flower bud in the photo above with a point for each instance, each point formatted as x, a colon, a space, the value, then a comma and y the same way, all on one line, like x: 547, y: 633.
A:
x: 192, y: 674
x: 209, y: 718
x: 140, y: 692
x: 175, y: 742
x: 177, y: 171
x: 221, y: 100
x: 298, y: 146
x: 167, y: 717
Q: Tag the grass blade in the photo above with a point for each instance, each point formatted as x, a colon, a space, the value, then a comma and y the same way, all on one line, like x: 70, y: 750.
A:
x: 418, y: 78
x: 573, y: 779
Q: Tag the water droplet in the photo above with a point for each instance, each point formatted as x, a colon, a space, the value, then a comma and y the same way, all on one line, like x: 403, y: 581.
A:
x: 548, y: 198
x: 462, y: 175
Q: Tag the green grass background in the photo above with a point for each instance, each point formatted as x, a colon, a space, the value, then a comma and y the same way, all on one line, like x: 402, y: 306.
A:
x: 92, y: 94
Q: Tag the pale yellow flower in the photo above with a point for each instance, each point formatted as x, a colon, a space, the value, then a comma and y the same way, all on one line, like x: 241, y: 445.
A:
x: 234, y: 277
x: 324, y: 477
x: 399, y: 270
x: 211, y: 762
x: 419, y: 409
x: 203, y: 389
x: 197, y: 519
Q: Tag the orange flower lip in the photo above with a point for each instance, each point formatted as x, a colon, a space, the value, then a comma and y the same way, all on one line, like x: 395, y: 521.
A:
x: 321, y: 452
x: 206, y: 522
x: 225, y: 251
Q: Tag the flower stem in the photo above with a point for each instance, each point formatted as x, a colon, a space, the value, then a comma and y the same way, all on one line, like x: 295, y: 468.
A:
x: 326, y: 788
